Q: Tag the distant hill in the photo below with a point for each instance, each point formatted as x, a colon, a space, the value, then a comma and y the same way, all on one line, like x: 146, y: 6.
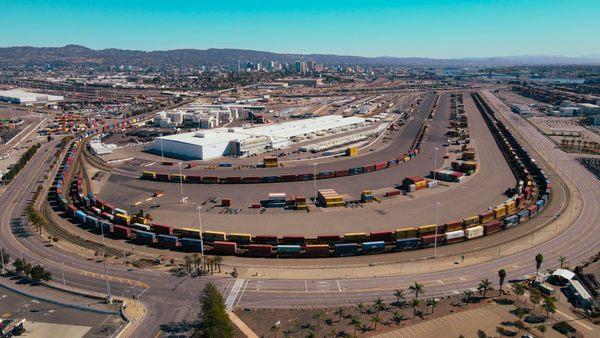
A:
x: 80, y: 55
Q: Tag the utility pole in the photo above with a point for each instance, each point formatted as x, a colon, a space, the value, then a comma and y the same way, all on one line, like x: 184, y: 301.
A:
x: 182, y: 200
x: 2, y: 257
x: 437, y: 218
x: 108, y: 294
x: 62, y: 270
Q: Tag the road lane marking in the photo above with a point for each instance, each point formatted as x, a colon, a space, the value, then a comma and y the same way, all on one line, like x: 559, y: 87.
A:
x: 233, y: 293
x: 339, y: 286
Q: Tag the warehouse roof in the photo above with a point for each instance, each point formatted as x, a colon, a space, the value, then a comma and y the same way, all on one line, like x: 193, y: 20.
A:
x: 28, y: 96
x: 285, y: 130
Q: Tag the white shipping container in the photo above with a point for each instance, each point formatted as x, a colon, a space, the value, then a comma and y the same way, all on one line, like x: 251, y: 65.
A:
x: 455, y: 234
x: 474, y: 232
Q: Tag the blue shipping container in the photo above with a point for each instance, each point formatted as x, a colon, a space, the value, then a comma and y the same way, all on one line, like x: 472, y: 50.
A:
x: 191, y: 244
x: 344, y: 249
x: 408, y: 243
x: 511, y: 221
x: 373, y: 247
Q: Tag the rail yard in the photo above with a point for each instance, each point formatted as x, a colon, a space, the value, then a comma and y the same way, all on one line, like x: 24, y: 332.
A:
x: 374, y: 185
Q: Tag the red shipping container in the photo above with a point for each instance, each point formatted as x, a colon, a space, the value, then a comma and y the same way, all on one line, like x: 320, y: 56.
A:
x: 329, y: 239
x: 162, y: 229
x: 260, y: 250
x: 386, y: 236
x: 229, y: 248
x: 429, y: 240
x: 317, y: 250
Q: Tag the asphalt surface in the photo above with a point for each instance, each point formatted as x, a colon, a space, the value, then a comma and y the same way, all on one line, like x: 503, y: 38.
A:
x: 476, y: 194
x: 577, y: 243
x: 174, y: 298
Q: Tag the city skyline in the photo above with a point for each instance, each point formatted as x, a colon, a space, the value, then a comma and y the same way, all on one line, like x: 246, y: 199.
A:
x: 439, y: 29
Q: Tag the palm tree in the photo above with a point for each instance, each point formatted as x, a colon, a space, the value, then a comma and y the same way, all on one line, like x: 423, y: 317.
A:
x: 562, y: 260
x: 484, y: 287
x: 188, y: 263
x: 378, y: 304
x: 549, y: 305
x: 519, y: 289
x: 340, y: 311
x: 275, y: 328
x: 196, y: 260
x: 539, y: 258
x: 218, y: 260
x: 397, y: 317
x: 414, y: 304
x: 417, y: 289
x: 433, y: 303
x: 318, y: 315
x: 501, y: 277
x: 542, y: 329
x: 399, y: 294
x: 355, y: 321
x: 375, y: 320
x: 361, y: 307
x: 468, y: 296
x: 535, y: 296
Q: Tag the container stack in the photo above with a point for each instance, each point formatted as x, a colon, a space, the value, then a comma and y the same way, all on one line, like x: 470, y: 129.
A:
x: 301, y: 203
x: 270, y: 162
x: 464, y: 166
x: 412, y: 183
x: 447, y: 175
x: 225, y: 202
x: 330, y: 198
x: 275, y: 200
x: 366, y: 196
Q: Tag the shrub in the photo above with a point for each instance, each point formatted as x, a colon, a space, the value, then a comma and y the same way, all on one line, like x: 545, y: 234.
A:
x: 563, y: 327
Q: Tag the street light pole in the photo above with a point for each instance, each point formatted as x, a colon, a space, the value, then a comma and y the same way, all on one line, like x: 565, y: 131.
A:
x: 315, y: 182
x: 437, y: 218
x: 182, y: 200
x: 200, y: 226
x: 2, y: 257
x: 108, y: 293
x: 62, y: 270
x: 435, y: 163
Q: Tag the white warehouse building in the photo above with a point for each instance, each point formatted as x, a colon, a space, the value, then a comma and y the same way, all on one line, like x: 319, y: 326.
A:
x: 218, y: 142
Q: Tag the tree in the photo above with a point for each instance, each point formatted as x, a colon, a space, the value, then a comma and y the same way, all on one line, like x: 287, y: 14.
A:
x: 18, y: 264
x: 518, y: 289
x: 542, y: 329
x: 468, y: 296
x: 535, y: 296
x: 378, y: 304
x: 375, y: 320
x: 37, y: 272
x: 501, y: 277
x: 433, y: 303
x: 549, y: 305
x: 361, y: 307
x: 417, y: 289
x: 215, y: 322
x: 481, y: 334
x: 484, y: 287
x: 188, y: 263
x: 539, y: 258
x: 218, y: 260
x: 340, y: 312
x: 400, y: 299
x: 562, y: 260
x: 355, y: 321
x: 397, y: 317
x: 27, y: 269
x: 318, y: 315
x: 414, y: 304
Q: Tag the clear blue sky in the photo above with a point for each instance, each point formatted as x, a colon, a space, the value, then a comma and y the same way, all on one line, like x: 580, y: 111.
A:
x: 424, y: 28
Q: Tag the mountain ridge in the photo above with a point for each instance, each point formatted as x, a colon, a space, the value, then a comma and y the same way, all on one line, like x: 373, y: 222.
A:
x: 77, y: 54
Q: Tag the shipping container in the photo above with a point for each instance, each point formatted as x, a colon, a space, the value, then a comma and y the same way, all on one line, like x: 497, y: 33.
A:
x: 430, y: 229
x: 346, y: 249
x: 140, y: 226
x: 474, y: 232
x: 317, y: 250
x: 261, y: 250
x: 145, y: 237
x: 122, y: 219
x: 386, y: 236
x: 225, y: 248
x: 430, y: 240
x: 252, y: 179
x: 265, y: 239
x: 187, y: 232
x: 471, y: 221
x: 355, y: 237
x: 191, y: 244
x: 298, y: 240
x: 328, y: 239
x: 486, y: 217
x: 80, y: 216
x: 532, y: 210
x: 454, y: 226
x: 454, y: 236
x: 499, y: 211
x: 285, y: 250
x: 242, y: 239
x: 166, y: 241
x: 408, y: 243
x: 492, y: 227
x: 92, y: 222
x: 122, y: 232
x: 511, y: 221
x: 162, y: 229
x: 373, y: 247
x: 212, y: 236
x: 402, y: 233
x: 523, y: 215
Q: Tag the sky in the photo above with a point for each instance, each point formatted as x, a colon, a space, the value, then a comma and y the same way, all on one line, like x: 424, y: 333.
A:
x: 417, y: 28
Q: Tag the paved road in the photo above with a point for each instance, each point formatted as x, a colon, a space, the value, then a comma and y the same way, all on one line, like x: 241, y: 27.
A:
x: 576, y: 243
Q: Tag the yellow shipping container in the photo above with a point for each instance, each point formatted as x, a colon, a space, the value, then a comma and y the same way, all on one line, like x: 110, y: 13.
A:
x: 421, y: 184
x: 471, y: 221
x: 499, y: 211
x: 352, y: 151
x: 356, y: 236
x: 235, y: 237
x: 427, y: 228
x: 406, y: 233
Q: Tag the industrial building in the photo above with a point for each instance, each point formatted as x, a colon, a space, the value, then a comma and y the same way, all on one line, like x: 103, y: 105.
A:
x: 19, y: 96
x: 218, y: 142
x: 205, y: 116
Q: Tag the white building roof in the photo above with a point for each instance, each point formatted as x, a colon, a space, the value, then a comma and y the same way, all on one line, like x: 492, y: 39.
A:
x: 580, y: 290
x: 280, y: 131
x: 28, y: 96
x: 564, y: 273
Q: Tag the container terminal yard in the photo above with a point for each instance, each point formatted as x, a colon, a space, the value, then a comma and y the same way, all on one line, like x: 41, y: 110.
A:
x: 451, y: 188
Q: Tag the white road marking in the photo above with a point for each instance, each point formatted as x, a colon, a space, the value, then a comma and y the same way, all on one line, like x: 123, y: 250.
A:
x: 235, y: 290
x: 339, y: 286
